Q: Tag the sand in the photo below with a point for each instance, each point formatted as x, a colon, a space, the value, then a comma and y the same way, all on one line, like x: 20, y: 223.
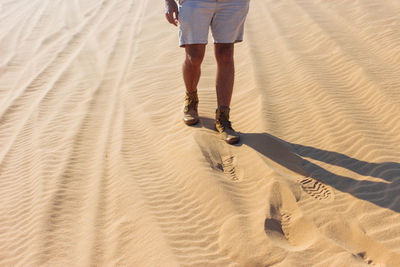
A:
x: 97, y: 167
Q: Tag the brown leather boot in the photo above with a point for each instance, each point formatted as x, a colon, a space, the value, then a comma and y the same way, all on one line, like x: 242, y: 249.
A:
x: 190, y: 115
x: 224, y: 127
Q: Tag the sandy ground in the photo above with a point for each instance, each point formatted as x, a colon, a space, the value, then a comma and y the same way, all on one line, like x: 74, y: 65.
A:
x: 97, y: 167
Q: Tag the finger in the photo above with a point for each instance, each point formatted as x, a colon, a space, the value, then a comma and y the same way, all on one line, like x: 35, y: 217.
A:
x: 172, y: 17
x: 177, y: 15
x: 169, y: 18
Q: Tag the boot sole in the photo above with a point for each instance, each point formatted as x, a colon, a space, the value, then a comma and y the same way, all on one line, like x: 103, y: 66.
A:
x: 233, y: 141
x: 191, y: 122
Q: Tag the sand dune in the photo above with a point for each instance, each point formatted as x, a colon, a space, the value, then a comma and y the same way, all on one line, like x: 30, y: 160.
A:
x: 97, y: 168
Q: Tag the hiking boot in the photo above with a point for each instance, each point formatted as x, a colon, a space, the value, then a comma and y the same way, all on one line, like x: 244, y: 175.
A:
x: 190, y: 115
x: 224, y: 127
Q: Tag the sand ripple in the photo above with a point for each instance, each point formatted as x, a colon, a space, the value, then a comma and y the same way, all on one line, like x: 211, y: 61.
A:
x: 97, y: 168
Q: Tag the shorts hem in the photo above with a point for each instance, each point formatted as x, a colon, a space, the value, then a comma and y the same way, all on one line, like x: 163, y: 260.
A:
x: 228, y: 42
x: 182, y: 44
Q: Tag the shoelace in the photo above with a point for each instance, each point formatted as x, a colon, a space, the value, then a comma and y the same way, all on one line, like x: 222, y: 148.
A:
x: 191, y: 101
x: 225, y: 123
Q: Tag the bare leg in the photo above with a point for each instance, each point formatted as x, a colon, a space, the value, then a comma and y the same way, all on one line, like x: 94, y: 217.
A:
x: 225, y: 73
x: 224, y: 84
x: 192, y: 66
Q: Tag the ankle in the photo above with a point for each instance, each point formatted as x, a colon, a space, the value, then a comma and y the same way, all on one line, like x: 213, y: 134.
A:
x: 191, y: 92
x: 222, y: 107
x: 222, y: 111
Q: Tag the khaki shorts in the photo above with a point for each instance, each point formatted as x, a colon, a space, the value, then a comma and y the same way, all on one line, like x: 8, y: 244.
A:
x: 225, y: 17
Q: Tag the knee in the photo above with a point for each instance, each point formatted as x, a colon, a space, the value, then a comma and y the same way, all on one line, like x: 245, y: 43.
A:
x: 194, y: 57
x: 224, y: 54
x: 194, y: 60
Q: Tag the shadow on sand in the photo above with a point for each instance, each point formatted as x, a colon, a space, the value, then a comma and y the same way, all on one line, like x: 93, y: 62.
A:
x: 383, y: 193
x: 294, y: 157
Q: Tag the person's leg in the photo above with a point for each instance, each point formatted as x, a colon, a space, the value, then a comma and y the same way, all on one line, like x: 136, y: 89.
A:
x: 192, y: 65
x: 194, y: 23
x: 191, y: 75
x: 227, y: 28
x: 224, y: 84
x: 225, y: 73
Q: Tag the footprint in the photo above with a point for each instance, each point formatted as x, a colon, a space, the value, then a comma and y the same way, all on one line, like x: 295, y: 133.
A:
x: 365, y: 258
x: 353, y: 239
x: 285, y: 224
x: 316, y: 189
x: 243, y: 239
x: 229, y: 167
x: 220, y: 157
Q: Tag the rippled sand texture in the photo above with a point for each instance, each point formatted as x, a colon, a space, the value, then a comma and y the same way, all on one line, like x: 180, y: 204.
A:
x: 97, y: 167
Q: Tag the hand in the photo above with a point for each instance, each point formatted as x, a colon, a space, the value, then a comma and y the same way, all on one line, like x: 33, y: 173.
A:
x: 171, y: 12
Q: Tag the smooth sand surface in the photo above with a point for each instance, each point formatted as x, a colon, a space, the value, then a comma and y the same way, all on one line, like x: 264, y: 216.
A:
x: 98, y: 169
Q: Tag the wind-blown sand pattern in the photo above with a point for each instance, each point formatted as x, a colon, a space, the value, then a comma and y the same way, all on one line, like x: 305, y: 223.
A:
x: 97, y: 167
